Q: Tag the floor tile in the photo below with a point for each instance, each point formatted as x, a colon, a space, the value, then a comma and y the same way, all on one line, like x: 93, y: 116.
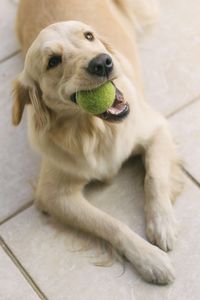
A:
x: 7, y: 28
x: 47, y: 249
x: 13, y: 285
x: 186, y: 129
x: 18, y: 163
x: 170, y: 56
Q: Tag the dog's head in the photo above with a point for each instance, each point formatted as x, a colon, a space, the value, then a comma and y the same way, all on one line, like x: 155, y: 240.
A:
x: 66, y: 57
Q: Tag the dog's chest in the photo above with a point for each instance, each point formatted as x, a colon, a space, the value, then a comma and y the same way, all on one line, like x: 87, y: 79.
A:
x: 102, y: 161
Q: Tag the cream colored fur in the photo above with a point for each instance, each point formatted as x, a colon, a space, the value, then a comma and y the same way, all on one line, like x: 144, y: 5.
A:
x: 77, y: 147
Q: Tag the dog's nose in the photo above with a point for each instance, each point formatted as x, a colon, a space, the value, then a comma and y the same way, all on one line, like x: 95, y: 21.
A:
x: 101, y: 65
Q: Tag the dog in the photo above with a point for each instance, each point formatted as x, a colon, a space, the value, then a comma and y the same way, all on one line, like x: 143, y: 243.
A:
x: 72, y: 46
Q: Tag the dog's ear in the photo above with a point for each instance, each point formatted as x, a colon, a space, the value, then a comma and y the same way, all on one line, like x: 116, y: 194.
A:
x: 28, y: 92
x: 20, y: 99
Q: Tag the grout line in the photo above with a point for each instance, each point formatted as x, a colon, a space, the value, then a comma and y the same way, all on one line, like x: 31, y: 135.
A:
x: 18, y: 211
x: 23, y: 271
x: 182, y: 107
x: 9, y: 56
x: 191, y: 178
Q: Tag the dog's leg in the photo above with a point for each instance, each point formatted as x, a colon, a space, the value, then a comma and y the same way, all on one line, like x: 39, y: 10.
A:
x: 160, y: 161
x: 64, y: 200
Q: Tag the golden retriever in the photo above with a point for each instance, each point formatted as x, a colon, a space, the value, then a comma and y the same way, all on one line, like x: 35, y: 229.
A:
x: 63, y: 56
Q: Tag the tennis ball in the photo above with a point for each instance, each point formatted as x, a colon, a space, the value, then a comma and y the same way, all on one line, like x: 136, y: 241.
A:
x: 98, y: 100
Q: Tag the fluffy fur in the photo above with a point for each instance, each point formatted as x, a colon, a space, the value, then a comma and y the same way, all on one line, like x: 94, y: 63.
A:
x: 77, y: 147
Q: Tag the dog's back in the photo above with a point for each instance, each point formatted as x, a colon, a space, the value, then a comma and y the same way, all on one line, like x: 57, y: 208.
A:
x: 112, y: 19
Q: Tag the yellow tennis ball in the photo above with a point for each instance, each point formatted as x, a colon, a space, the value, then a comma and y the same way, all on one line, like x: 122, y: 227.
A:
x: 97, y: 101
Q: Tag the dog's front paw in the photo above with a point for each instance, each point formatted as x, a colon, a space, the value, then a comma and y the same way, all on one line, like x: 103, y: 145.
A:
x: 156, y: 266
x: 161, y: 227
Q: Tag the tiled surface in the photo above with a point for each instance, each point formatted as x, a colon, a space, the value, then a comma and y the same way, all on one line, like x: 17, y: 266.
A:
x: 47, y: 250
x: 186, y: 128
x: 170, y: 56
x: 9, y: 44
x: 13, y: 286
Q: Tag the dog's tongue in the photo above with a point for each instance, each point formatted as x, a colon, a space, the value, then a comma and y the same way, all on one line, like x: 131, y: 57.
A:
x: 118, y: 105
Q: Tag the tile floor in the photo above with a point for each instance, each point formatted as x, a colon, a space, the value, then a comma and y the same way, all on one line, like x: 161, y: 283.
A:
x: 38, y: 257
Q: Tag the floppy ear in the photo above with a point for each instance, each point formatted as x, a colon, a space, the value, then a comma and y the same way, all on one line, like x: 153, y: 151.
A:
x: 23, y: 94
x: 41, y: 112
x: 20, y: 99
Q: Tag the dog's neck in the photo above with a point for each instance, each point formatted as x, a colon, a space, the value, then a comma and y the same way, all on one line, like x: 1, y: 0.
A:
x: 71, y: 132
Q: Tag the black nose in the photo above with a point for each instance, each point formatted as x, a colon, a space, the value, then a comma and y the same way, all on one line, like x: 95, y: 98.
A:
x: 101, y: 65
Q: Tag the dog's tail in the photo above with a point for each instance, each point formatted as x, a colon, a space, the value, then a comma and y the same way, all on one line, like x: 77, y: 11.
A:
x: 142, y: 13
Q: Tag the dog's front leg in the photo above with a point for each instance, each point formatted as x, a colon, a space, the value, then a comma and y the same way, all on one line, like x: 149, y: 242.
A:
x: 64, y: 200
x: 160, y: 161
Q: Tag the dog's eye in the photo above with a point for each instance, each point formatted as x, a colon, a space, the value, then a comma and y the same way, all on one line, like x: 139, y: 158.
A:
x: 89, y: 36
x: 54, y: 61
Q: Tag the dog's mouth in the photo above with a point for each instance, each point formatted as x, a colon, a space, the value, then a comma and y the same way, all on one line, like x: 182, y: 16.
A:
x: 117, y: 112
